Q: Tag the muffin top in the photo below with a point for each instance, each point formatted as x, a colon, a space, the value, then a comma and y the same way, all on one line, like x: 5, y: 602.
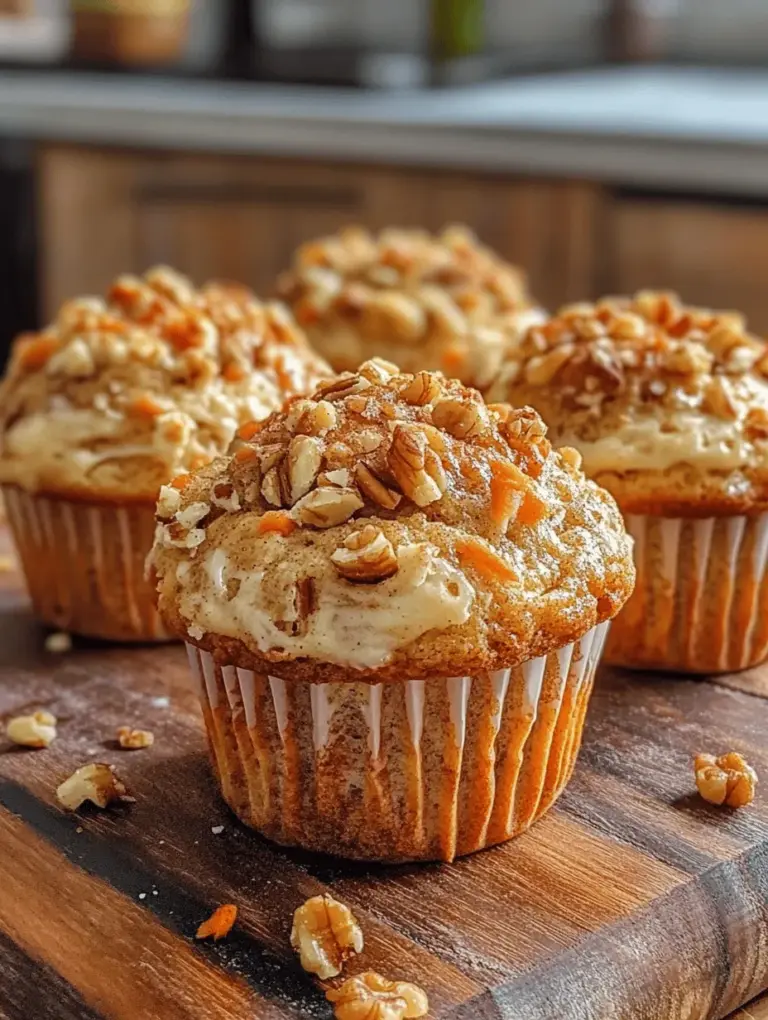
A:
x: 668, y: 404
x: 389, y: 526
x: 423, y: 302
x: 118, y: 395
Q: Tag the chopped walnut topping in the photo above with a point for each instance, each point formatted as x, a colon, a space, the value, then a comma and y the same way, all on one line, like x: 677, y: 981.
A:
x: 378, y: 370
x: 464, y: 419
x: 756, y: 424
x: 326, y: 507
x: 305, y: 454
x: 325, y: 934
x: 543, y: 369
x: 725, y: 780
x: 369, y: 996
x: 58, y: 642
x: 134, y: 740
x: 423, y: 389
x: 366, y: 555
x: 343, y: 386
x: 719, y: 399
x: 36, y: 730
x: 570, y: 457
x: 407, y: 462
x: 375, y: 489
x: 95, y: 782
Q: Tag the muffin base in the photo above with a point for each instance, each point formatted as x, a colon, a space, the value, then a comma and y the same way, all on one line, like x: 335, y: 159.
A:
x: 84, y: 564
x: 418, y: 770
x: 701, y: 600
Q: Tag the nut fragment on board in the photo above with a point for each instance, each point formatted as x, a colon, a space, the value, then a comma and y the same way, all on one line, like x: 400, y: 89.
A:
x: 58, y: 642
x: 725, y: 780
x: 219, y: 924
x: 96, y: 782
x: 325, y: 934
x: 369, y: 996
x: 134, y: 740
x: 36, y: 730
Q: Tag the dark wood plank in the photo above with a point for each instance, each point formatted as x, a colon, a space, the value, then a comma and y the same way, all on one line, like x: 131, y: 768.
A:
x: 41, y: 991
x: 632, y: 900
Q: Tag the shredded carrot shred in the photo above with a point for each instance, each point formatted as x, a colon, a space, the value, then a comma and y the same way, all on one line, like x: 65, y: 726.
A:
x: 219, y: 923
x: 181, y: 482
x: 487, y: 563
x: 533, y: 508
x: 145, y: 407
x: 245, y: 453
x: 276, y: 521
x: 35, y: 353
x: 233, y: 372
x: 249, y: 430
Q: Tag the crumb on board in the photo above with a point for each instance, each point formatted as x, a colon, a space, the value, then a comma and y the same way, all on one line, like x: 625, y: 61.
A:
x: 58, y: 642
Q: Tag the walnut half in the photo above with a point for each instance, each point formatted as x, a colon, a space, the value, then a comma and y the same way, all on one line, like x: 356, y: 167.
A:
x: 369, y: 996
x: 96, y: 782
x: 367, y: 555
x: 36, y: 730
x: 325, y: 934
x: 725, y: 780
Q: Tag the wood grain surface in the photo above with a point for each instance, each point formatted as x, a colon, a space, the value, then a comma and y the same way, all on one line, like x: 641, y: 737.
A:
x: 631, y: 900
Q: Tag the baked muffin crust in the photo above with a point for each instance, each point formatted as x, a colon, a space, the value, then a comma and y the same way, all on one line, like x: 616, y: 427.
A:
x: 423, y: 302
x: 668, y: 404
x: 389, y: 525
x: 118, y: 395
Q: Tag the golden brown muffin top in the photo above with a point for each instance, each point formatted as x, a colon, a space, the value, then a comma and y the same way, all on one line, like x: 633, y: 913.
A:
x: 424, y: 302
x: 668, y: 404
x: 118, y: 395
x: 389, y: 523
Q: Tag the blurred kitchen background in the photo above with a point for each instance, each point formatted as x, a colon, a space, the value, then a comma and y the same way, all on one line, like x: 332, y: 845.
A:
x: 605, y: 145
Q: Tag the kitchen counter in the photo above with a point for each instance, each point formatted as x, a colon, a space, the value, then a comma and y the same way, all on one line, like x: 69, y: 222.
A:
x: 675, y: 128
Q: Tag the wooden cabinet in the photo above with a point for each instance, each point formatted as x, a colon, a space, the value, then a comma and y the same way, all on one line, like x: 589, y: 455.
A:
x: 712, y: 253
x: 106, y: 212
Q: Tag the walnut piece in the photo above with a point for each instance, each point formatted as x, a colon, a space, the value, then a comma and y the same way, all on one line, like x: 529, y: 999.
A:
x: 325, y: 507
x: 374, y: 488
x: 369, y: 996
x: 96, y: 782
x: 366, y: 555
x: 58, y: 643
x: 134, y: 740
x: 725, y: 780
x: 325, y: 934
x: 36, y: 730
x: 571, y: 457
x: 305, y: 455
x: 464, y: 419
x: 342, y: 386
x: 407, y: 462
x: 423, y: 389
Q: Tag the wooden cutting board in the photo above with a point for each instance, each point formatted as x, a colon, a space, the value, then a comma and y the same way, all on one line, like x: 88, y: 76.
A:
x: 631, y: 899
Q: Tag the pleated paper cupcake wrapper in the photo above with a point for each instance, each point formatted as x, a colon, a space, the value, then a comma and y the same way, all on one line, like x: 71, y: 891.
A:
x: 84, y: 564
x: 701, y: 600
x: 418, y: 770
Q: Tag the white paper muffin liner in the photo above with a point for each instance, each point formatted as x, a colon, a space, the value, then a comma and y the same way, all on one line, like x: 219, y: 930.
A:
x: 701, y: 599
x: 84, y: 564
x: 398, y: 771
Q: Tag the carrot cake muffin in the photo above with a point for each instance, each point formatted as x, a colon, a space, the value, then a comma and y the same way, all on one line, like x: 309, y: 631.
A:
x: 108, y: 402
x: 668, y: 406
x: 394, y: 600
x: 423, y: 302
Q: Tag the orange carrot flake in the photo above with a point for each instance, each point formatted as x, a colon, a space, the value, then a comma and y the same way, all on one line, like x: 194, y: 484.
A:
x: 219, y: 923
x: 245, y: 453
x: 35, y: 353
x: 234, y: 372
x: 276, y: 521
x: 249, y: 430
x: 533, y: 508
x: 181, y: 482
x: 145, y: 407
x: 487, y: 563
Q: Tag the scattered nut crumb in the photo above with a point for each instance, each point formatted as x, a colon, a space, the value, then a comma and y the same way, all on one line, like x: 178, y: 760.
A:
x: 36, y: 730
x: 219, y: 923
x: 134, y: 740
x: 161, y: 702
x: 58, y: 642
x: 725, y: 780
x: 369, y: 996
x: 96, y: 782
x: 217, y: 829
x: 325, y: 934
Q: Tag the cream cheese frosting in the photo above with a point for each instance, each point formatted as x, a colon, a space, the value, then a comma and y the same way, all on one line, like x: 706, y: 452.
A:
x: 118, y: 395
